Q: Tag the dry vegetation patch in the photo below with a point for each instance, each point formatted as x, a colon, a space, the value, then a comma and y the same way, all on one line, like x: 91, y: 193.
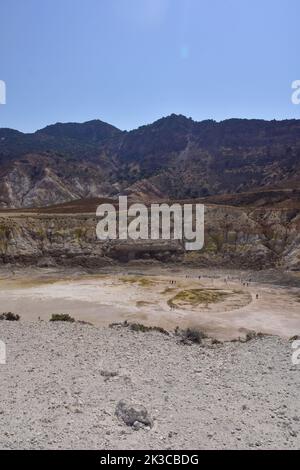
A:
x: 195, y: 297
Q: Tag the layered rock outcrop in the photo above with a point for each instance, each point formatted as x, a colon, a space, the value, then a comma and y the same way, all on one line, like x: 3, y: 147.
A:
x: 234, y: 237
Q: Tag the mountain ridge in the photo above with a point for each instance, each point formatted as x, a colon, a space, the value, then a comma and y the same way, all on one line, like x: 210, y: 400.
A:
x: 173, y: 157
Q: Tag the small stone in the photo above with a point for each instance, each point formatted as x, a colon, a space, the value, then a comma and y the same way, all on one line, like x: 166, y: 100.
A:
x: 133, y: 415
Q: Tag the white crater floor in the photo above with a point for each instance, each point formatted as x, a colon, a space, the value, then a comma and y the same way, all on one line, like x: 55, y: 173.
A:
x: 152, y: 299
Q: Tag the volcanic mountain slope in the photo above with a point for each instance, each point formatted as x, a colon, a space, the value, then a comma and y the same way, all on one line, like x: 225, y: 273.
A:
x: 175, y: 157
x: 60, y: 163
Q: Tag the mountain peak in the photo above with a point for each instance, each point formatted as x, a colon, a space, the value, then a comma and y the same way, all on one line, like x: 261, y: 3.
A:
x: 94, y: 130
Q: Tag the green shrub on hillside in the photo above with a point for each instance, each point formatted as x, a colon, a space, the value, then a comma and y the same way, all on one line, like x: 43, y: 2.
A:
x: 9, y: 316
x: 62, y: 317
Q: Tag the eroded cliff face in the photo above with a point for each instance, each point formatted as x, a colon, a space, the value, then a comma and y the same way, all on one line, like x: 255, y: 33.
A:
x: 172, y: 158
x: 234, y: 237
x: 259, y: 238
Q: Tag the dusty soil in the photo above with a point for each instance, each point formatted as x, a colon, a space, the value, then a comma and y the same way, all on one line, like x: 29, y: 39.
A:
x: 222, y: 304
x: 62, y: 382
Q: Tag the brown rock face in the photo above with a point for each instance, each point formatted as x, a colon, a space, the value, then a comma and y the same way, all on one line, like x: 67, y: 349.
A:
x: 173, y: 158
x: 234, y: 237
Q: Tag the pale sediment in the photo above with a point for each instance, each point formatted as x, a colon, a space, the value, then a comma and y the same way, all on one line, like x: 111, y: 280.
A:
x: 62, y: 383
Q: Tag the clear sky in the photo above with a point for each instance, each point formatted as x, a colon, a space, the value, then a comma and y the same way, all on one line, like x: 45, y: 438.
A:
x: 129, y: 62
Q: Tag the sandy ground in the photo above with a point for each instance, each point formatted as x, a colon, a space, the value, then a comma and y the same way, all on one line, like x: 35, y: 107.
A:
x: 55, y: 392
x: 143, y: 295
x: 62, y: 382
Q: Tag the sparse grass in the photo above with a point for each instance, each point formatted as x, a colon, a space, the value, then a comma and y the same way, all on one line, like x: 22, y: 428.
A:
x: 143, y: 303
x: 139, y: 327
x: 141, y: 281
x: 192, y: 256
x: 62, y: 317
x: 60, y: 233
x: 40, y: 233
x: 144, y: 329
x: 79, y: 233
x: 250, y: 335
x: 10, y: 316
x: 195, y: 297
x: 216, y: 341
x: 4, y: 231
x: 27, y: 283
x: 218, y: 240
x: 253, y: 335
x: 210, y: 246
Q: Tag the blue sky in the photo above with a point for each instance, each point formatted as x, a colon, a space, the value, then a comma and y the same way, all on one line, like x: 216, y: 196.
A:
x: 129, y: 62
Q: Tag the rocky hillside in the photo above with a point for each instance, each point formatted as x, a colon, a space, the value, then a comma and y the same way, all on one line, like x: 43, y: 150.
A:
x: 174, y: 157
x: 235, y: 237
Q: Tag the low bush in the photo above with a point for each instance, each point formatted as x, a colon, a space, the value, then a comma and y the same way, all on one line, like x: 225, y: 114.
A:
x: 62, y: 317
x: 190, y: 335
x: 9, y: 316
x: 145, y: 329
x: 139, y: 327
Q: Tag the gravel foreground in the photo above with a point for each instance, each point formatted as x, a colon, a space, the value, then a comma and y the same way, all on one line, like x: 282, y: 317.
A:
x: 62, y: 383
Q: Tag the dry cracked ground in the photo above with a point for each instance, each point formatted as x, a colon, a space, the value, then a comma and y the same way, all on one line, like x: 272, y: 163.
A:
x: 63, y: 381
